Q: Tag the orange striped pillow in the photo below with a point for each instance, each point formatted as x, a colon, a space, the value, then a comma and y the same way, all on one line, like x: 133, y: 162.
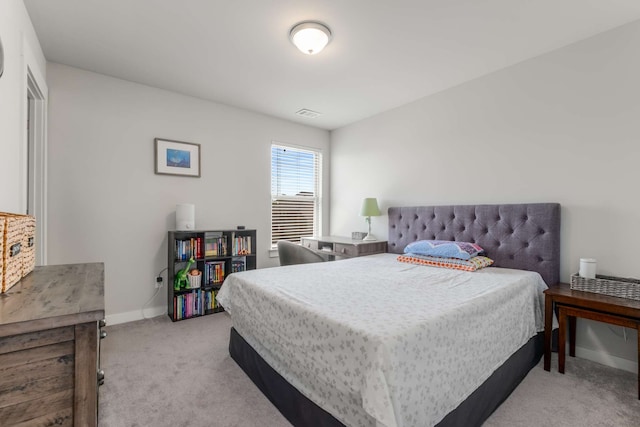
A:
x: 473, y: 264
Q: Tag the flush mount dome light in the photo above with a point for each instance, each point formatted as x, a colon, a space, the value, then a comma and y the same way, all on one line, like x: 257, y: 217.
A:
x: 310, y: 36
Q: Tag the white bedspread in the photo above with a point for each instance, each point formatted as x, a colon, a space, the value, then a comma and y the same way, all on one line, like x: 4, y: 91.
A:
x: 376, y: 341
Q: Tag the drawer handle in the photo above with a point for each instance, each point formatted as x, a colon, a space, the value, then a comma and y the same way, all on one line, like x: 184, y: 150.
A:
x: 102, y: 323
x: 100, y: 376
x: 103, y: 334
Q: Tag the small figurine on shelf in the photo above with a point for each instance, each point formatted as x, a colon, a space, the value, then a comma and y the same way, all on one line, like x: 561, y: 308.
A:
x: 181, y: 281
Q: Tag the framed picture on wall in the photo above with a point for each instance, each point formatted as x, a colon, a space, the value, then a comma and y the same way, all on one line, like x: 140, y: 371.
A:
x: 177, y: 158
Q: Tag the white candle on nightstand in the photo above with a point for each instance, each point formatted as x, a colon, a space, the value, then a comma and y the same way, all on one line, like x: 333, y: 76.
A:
x: 587, y: 268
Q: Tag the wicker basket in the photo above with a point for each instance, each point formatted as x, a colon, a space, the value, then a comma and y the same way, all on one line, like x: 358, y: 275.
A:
x: 2, y: 224
x: 194, y: 281
x: 19, y: 252
x: 608, y: 285
x: 12, y: 251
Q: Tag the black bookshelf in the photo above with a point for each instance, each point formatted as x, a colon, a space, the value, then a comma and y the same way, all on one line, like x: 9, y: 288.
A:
x: 216, y: 254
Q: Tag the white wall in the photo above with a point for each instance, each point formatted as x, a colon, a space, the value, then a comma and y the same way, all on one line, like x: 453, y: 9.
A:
x: 21, y: 50
x: 563, y: 127
x: 105, y: 202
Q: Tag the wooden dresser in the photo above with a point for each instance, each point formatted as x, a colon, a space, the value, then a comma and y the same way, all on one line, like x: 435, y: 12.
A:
x: 49, y: 347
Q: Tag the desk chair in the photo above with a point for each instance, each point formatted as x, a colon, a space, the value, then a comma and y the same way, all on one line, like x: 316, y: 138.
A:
x: 291, y: 253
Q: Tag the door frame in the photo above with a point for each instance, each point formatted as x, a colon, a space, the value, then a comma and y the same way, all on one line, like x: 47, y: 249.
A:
x: 34, y: 151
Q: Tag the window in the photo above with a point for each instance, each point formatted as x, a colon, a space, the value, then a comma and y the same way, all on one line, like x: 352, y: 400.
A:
x: 296, y: 195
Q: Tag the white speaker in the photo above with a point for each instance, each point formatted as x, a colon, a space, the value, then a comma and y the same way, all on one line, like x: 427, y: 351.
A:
x: 185, y: 217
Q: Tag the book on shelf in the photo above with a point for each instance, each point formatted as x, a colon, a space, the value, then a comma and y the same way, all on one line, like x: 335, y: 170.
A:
x: 188, y: 248
x: 209, y: 301
x: 182, y: 250
x: 214, y: 272
x: 187, y: 305
x: 215, y: 246
x: 240, y: 245
x: 238, y: 265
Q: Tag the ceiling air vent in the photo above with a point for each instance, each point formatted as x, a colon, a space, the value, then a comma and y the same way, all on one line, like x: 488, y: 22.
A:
x: 310, y: 114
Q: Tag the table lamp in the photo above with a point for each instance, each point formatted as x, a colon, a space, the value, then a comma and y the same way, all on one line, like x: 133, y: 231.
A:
x: 369, y: 209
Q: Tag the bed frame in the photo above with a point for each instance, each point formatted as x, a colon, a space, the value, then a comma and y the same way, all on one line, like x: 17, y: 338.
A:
x: 520, y: 236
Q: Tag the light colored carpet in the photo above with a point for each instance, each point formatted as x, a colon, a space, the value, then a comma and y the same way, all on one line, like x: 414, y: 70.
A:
x: 160, y: 373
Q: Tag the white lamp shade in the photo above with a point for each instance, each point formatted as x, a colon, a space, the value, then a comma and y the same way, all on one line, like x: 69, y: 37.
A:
x: 370, y: 207
x: 310, y: 37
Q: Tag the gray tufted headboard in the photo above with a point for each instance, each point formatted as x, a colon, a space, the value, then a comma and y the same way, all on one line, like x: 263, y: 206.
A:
x: 521, y: 236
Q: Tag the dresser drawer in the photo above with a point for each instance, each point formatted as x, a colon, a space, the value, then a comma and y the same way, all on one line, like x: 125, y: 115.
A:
x: 308, y: 243
x: 35, y: 339
x: 372, y: 248
x: 345, y: 250
x: 37, y: 378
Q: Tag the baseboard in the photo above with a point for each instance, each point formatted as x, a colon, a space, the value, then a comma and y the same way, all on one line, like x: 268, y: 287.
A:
x: 606, y: 359
x: 132, y: 316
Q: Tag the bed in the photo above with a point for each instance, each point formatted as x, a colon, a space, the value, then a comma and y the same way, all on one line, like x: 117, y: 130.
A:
x: 374, y: 342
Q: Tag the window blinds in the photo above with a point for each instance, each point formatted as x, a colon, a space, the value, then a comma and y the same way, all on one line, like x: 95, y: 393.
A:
x: 295, y: 193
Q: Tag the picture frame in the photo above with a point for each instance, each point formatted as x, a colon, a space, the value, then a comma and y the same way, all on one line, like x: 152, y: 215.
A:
x: 177, y: 158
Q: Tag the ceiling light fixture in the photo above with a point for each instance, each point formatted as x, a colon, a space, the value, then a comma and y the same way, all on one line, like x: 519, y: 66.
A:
x: 310, y: 36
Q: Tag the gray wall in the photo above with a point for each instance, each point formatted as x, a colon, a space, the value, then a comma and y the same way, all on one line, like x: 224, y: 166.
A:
x: 563, y: 127
x: 106, y: 203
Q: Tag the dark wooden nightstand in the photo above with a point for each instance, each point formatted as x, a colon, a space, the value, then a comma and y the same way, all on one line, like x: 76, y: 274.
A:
x: 588, y: 305
x: 333, y: 246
